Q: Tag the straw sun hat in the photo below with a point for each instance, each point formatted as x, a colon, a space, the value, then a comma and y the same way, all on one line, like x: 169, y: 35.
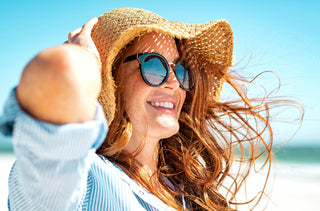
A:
x: 212, y: 43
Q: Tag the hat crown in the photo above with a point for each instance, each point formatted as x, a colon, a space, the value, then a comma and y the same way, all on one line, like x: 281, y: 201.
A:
x: 115, y: 22
x: 133, y: 16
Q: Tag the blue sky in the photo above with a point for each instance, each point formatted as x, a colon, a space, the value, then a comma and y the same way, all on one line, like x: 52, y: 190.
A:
x: 282, y: 36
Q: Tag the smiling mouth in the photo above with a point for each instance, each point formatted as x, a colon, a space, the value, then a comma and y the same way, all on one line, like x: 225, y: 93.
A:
x: 166, y: 105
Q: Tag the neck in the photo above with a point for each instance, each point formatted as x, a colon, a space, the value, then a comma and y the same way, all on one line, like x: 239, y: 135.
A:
x: 147, y: 155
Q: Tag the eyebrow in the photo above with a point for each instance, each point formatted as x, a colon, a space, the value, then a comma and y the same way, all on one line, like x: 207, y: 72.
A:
x: 131, y: 58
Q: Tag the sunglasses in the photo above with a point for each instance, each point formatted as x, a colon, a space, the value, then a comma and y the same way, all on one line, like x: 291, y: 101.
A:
x: 155, y: 69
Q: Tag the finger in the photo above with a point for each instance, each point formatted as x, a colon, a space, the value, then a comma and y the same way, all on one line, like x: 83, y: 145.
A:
x: 87, y: 27
x: 73, y: 33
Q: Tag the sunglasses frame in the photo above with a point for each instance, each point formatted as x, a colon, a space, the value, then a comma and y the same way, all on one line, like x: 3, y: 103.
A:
x: 142, y: 56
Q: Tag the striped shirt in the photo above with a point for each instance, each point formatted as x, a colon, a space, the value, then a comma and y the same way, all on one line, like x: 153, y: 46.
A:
x: 57, y: 167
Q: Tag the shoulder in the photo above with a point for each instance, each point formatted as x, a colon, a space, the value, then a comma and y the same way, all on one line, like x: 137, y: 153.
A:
x: 107, y: 176
x: 109, y: 187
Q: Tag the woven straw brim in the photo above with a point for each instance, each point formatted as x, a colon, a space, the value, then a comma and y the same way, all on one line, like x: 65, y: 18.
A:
x: 212, y: 43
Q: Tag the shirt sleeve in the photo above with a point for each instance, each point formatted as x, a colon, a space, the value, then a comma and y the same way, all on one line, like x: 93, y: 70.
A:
x: 53, y: 161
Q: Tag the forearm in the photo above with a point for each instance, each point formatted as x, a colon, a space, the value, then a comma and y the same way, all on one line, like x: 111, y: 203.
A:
x: 60, y: 85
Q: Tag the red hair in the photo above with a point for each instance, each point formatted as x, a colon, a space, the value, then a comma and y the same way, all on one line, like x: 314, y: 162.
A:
x: 213, y: 136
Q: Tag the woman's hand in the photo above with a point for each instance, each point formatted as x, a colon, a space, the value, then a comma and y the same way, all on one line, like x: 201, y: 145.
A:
x: 82, y: 37
x: 61, y: 84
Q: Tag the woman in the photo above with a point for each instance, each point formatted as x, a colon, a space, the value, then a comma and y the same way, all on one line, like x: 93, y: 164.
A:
x: 170, y: 142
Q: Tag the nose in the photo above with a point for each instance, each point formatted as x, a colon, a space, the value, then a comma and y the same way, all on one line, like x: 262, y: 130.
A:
x: 172, y: 81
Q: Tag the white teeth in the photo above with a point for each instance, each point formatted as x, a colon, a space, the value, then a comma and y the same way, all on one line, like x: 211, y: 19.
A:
x: 162, y: 104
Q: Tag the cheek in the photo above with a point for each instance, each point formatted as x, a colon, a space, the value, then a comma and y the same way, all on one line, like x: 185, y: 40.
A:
x: 135, y: 88
x: 129, y: 79
x: 135, y: 92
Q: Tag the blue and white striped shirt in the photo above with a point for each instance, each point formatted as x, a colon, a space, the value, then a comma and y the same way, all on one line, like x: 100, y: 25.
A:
x: 57, y: 167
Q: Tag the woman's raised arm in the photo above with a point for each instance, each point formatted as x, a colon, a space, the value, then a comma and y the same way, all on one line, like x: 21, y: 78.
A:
x: 61, y: 84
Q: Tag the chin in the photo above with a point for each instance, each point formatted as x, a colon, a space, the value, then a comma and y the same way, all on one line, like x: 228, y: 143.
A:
x: 171, y: 134
x: 167, y: 130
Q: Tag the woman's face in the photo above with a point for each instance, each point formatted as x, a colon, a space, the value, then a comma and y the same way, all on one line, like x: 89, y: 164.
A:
x: 150, y: 108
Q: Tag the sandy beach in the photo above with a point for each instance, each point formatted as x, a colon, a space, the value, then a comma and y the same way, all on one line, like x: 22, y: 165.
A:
x: 296, y: 186
x: 293, y: 187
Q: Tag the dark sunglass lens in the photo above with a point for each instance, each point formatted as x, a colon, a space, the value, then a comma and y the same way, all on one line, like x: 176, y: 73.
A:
x: 154, y: 70
x: 184, y: 76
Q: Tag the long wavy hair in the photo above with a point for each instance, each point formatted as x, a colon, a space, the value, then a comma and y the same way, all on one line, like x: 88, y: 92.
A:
x: 217, y: 142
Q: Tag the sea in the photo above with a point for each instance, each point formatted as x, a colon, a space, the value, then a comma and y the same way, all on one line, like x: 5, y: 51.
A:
x: 296, y: 158
x: 299, y: 152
